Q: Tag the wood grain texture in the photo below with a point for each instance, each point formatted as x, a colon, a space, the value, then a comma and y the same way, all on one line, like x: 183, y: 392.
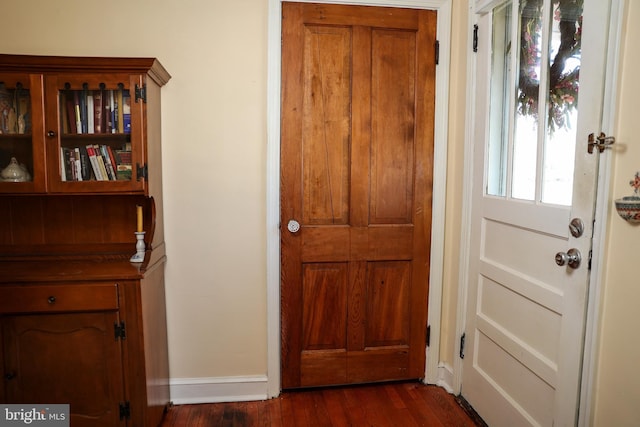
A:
x: 62, y: 359
x: 58, y: 298
x: 39, y: 64
x: 40, y: 222
x: 392, y: 405
x: 326, y: 125
x: 393, y: 123
x: 356, y: 165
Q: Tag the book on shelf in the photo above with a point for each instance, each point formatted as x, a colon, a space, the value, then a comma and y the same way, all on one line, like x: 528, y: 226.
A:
x: 112, y: 104
x: 77, y: 164
x: 126, y: 111
x: 94, y: 163
x: 77, y: 112
x: 83, y: 111
x: 68, y: 164
x: 111, y: 173
x: 124, y: 167
x: 66, y: 170
x: 63, y: 172
x: 124, y: 172
x: 72, y: 164
x: 90, y: 112
x: 112, y: 159
x: 107, y: 113
x: 85, y: 164
x: 119, y: 112
x: 97, y: 111
x: 101, y: 163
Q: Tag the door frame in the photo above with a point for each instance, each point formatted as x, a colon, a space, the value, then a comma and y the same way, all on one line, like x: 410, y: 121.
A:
x: 274, y: 55
x: 591, y: 338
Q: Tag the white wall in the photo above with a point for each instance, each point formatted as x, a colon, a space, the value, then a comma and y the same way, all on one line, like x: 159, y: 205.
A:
x: 214, y: 137
x: 618, y: 381
x: 457, y: 108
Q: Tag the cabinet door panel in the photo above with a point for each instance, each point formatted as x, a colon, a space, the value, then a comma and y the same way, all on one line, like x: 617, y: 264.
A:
x: 95, y: 132
x: 66, y: 358
x: 21, y: 133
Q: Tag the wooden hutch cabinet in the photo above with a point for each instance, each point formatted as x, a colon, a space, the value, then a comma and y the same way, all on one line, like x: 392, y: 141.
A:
x: 80, y: 172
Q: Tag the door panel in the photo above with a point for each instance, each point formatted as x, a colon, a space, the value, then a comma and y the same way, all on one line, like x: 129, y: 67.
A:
x: 324, y: 308
x: 42, y: 354
x: 388, y: 287
x: 326, y: 118
x: 324, y: 305
x: 356, y: 173
x: 393, y: 89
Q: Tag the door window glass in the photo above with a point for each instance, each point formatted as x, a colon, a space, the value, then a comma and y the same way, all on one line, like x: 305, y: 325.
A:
x: 562, y: 93
x: 533, y: 120
x: 501, y: 61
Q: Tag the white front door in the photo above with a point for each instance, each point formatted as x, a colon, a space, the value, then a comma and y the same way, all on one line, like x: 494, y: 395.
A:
x: 532, y: 176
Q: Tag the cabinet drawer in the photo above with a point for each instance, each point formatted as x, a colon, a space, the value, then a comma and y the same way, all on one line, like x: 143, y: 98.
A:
x: 58, y: 298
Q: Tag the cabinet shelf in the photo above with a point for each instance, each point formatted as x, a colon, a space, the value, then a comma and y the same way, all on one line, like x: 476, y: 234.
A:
x: 80, y: 137
x: 15, y: 136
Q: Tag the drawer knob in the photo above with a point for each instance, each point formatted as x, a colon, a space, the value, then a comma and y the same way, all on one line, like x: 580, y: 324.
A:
x: 10, y: 376
x: 51, y: 300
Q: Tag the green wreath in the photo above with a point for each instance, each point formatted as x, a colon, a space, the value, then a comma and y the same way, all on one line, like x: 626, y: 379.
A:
x: 563, y: 86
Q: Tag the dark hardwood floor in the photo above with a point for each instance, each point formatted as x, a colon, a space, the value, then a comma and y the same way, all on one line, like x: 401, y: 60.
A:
x: 392, y: 405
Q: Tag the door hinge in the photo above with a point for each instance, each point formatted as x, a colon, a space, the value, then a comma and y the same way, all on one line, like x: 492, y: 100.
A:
x: 141, y: 171
x: 119, y: 330
x: 475, y: 38
x: 437, y: 52
x: 428, y: 335
x: 125, y: 410
x: 462, y: 346
x: 141, y: 93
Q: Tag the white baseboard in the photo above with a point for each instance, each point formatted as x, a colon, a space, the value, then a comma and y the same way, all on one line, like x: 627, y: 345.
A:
x: 217, y: 389
x: 445, y: 377
x: 186, y: 391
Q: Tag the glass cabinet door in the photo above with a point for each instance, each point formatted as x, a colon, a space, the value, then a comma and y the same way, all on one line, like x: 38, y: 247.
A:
x: 21, y: 134
x: 95, y: 132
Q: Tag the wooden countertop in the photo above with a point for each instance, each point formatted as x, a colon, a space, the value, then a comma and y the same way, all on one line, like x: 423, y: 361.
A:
x: 58, y: 270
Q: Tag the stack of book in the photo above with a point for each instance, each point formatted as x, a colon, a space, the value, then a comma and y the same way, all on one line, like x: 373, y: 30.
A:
x: 95, y: 162
x: 95, y: 111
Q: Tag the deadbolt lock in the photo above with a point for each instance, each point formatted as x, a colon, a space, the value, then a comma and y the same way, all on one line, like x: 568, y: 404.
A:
x: 576, y: 227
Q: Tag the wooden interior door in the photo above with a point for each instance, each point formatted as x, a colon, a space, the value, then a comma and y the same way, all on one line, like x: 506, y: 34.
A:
x: 356, y: 186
